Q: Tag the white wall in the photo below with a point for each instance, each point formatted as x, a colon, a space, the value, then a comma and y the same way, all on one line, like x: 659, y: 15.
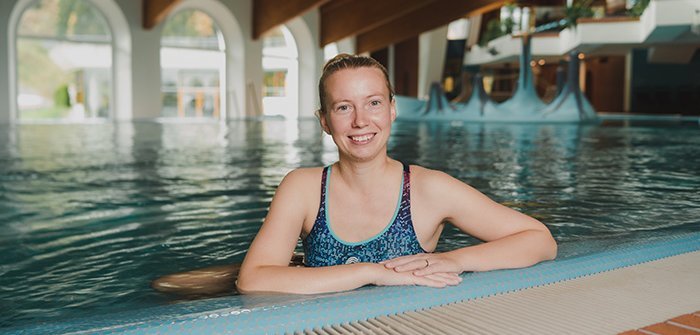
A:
x: 432, y: 46
x: 5, y: 101
x: 145, y: 63
x: 306, y: 33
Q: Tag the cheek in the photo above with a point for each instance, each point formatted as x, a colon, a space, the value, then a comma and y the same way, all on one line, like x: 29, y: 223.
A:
x: 336, y: 122
x: 383, y: 118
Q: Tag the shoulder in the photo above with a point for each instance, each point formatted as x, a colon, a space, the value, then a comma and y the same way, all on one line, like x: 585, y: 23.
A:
x: 430, y: 178
x: 304, y: 173
x: 302, y: 178
x: 298, y: 192
x: 438, y: 186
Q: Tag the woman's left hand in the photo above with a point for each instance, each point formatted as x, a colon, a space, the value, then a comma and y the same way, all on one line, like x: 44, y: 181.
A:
x: 424, y: 264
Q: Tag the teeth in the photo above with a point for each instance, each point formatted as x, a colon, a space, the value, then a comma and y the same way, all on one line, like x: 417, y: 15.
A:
x: 362, y: 138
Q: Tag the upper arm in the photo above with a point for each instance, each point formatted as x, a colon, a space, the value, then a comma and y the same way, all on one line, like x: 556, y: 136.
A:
x: 278, y: 235
x: 471, y: 211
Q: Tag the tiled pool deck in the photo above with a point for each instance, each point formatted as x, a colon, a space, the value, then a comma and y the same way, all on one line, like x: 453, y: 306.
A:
x: 606, y: 303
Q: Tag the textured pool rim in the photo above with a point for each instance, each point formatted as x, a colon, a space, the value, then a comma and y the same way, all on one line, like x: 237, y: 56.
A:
x: 303, y: 312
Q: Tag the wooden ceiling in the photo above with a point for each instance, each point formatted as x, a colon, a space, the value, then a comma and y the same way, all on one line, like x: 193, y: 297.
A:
x: 375, y: 23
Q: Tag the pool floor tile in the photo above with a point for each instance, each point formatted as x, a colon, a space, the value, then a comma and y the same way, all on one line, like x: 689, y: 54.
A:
x: 690, y: 320
x: 687, y: 324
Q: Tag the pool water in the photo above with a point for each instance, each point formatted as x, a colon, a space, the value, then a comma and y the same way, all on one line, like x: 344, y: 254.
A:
x: 90, y: 214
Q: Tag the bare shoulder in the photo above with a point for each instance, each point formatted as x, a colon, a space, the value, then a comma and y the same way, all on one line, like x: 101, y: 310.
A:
x: 303, y: 177
x: 429, y: 179
x: 296, y: 197
x: 438, y: 188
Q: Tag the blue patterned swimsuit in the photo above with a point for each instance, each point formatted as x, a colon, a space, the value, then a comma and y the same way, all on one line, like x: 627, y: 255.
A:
x: 323, y: 248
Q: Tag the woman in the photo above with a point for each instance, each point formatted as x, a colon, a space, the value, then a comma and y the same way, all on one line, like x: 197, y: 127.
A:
x: 378, y: 220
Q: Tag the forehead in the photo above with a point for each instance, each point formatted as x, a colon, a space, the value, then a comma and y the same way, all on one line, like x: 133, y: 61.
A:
x: 358, y: 80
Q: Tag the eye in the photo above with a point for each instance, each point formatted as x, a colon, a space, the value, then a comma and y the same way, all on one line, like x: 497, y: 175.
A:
x: 375, y: 103
x: 342, y: 108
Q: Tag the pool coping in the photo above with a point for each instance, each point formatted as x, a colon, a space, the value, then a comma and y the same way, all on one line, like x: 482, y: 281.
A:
x: 275, y: 314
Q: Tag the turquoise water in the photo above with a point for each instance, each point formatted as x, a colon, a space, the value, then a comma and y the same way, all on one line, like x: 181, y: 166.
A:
x: 89, y: 214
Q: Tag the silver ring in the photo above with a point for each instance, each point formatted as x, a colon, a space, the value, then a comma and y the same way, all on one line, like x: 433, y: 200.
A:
x: 427, y: 263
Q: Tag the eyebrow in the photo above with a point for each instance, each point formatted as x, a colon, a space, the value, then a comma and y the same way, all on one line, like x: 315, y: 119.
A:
x: 333, y: 103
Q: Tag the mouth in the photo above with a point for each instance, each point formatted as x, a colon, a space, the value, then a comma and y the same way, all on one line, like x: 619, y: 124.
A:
x: 361, y: 139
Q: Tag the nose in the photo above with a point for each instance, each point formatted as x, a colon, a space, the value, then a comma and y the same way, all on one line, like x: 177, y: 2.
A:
x: 361, y: 118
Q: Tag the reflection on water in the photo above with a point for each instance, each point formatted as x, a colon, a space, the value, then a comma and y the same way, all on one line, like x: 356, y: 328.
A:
x: 89, y: 214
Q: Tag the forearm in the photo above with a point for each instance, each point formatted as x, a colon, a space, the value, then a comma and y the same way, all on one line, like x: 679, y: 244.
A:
x: 306, y: 280
x: 518, y: 250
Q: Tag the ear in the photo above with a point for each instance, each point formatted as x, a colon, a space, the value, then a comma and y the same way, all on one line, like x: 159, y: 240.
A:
x: 393, y: 109
x: 324, y: 123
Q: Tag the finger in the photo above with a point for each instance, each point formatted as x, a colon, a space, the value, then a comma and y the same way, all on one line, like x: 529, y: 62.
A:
x: 446, y: 279
x: 399, y: 261
x: 450, y: 278
x: 430, y: 282
x: 414, y: 265
x: 437, y: 265
x: 438, y: 280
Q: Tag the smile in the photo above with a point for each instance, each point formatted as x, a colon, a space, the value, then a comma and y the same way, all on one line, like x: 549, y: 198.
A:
x: 362, y: 139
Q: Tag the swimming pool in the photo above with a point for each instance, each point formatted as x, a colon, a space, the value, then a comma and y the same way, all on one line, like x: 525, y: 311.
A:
x: 89, y: 214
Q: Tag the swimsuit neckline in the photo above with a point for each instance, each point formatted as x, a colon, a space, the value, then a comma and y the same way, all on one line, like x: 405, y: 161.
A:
x: 370, y: 239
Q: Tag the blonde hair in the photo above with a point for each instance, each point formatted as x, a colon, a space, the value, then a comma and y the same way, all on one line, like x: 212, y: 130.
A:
x: 347, y: 61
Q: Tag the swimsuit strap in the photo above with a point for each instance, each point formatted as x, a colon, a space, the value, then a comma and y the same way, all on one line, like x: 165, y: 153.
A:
x: 324, y: 180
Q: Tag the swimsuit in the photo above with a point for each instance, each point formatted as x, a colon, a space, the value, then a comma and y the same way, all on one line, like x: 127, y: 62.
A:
x: 323, y: 248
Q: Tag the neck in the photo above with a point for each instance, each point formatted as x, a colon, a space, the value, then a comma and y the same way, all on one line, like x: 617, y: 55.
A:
x: 364, y: 175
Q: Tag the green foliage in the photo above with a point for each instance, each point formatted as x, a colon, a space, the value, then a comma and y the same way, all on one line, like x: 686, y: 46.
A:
x: 36, y: 70
x: 45, y: 113
x: 61, y: 97
x: 170, y: 99
x: 579, y: 9
x: 64, y: 19
x: 496, y: 28
x: 79, y: 17
x: 508, y: 24
x: 493, y: 31
x: 638, y: 7
x: 190, y: 23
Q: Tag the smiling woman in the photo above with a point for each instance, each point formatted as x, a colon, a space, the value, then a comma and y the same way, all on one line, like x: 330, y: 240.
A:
x: 366, y: 230
x: 369, y: 219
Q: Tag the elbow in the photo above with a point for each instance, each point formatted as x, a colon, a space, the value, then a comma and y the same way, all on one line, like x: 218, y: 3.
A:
x: 551, y: 248
x: 245, y: 283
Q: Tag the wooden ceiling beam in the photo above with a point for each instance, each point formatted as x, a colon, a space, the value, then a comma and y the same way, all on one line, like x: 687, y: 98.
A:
x: 155, y: 11
x: 550, y: 3
x: 268, y: 14
x: 344, y: 18
x: 429, y: 16
x: 553, y: 3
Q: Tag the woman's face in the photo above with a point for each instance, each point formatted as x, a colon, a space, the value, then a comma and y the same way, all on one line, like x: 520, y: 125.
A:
x: 359, y: 112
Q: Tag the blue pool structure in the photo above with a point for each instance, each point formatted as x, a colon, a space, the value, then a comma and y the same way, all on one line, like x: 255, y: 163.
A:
x: 91, y: 213
x: 570, y: 105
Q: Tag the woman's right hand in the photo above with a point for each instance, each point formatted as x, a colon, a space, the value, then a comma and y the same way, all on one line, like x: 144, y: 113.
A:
x: 389, y: 277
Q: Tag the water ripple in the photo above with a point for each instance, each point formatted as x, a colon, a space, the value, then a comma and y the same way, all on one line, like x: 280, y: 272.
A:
x: 89, y: 214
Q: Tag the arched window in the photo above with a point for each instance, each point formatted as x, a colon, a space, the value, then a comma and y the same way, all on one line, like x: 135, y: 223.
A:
x: 193, y: 64
x: 64, y: 62
x: 280, y: 74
